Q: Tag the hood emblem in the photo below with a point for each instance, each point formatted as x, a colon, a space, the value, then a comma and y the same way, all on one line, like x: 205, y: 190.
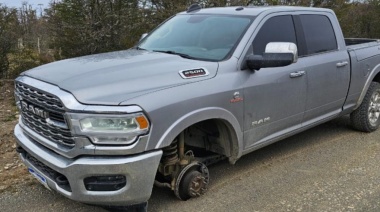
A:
x: 193, y: 73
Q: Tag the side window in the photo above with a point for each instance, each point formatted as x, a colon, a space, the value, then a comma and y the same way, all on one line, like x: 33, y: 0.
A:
x: 319, y: 33
x: 276, y: 29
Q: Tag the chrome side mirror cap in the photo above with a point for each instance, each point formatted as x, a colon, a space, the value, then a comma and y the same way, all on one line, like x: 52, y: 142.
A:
x: 283, y: 47
x: 143, y: 36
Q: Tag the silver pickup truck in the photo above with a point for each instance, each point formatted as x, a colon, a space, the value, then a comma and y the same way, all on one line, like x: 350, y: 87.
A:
x: 205, y: 85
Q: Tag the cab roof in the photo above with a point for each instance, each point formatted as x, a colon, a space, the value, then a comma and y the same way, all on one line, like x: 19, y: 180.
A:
x: 252, y: 10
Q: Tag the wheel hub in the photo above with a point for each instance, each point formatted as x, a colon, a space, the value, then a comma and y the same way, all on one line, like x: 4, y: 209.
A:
x: 192, y: 181
x: 197, y: 186
x: 374, y: 108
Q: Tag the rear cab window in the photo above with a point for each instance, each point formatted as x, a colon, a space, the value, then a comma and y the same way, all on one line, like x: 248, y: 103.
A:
x: 318, y: 33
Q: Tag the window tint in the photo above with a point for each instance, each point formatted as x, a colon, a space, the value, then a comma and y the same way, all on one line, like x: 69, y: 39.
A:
x: 319, y: 33
x: 276, y: 29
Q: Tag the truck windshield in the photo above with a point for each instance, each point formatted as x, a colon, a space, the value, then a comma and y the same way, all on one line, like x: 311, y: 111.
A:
x: 202, y: 37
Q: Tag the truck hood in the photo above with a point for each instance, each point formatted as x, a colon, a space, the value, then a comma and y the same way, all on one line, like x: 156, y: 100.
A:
x: 111, y: 78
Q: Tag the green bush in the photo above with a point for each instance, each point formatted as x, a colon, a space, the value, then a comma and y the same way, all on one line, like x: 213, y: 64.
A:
x: 21, y: 61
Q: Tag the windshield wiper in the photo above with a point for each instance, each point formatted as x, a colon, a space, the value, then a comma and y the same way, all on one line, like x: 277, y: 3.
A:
x: 176, y: 53
x: 139, y: 48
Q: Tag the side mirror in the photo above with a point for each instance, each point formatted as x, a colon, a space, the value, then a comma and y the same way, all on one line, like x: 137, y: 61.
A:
x: 143, y: 36
x: 277, y: 54
x: 282, y: 47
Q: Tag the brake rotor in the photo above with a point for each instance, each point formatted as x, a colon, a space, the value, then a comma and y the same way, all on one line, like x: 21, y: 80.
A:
x: 192, y: 181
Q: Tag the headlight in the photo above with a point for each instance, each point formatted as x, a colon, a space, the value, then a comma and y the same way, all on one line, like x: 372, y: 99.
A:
x: 109, y: 129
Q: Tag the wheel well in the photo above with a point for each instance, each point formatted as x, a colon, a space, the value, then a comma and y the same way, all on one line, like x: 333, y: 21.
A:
x: 201, y: 144
x: 377, y: 78
x: 207, y: 141
x: 214, y: 135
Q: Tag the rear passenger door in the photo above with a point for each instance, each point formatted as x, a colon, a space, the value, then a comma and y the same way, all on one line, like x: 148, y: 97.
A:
x: 327, y: 67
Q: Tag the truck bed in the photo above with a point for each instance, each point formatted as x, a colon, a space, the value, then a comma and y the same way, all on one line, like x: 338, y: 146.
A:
x: 364, y: 57
x: 363, y: 48
x: 355, y: 41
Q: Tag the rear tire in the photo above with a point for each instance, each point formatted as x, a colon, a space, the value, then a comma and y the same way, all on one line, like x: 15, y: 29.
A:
x: 366, y: 117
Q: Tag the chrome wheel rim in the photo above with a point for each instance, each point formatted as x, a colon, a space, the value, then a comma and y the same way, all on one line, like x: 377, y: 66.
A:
x: 374, y: 108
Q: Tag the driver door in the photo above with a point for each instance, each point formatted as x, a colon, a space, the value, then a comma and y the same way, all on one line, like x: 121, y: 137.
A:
x: 274, y: 98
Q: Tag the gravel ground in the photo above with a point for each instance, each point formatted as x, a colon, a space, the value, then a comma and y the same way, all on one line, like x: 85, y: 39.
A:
x: 327, y: 168
x: 12, y: 171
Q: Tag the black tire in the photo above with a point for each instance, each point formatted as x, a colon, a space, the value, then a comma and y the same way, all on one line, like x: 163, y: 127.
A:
x: 364, y: 118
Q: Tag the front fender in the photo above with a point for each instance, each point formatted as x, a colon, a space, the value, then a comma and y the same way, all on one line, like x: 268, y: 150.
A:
x: 201, y: 115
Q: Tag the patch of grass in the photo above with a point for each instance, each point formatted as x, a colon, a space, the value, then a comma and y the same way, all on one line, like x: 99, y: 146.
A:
x: 10, y: 118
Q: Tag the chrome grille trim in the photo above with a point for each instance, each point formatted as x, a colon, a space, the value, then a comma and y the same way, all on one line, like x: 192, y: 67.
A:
x: 57, y: 132
x: 57, y: 135
x: 39, y: 97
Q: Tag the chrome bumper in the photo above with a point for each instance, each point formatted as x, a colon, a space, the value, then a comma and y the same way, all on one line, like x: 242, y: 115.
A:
x: 139, y: 170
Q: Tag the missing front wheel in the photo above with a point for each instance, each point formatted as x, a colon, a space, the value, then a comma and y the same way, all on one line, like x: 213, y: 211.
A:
x: 192, y: 181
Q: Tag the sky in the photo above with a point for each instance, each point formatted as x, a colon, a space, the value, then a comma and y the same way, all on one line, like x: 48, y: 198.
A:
x: 18, y: 3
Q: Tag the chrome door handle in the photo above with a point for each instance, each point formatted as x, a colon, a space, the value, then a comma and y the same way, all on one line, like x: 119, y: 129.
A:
x: 297, y: 74
x: 341, y: 64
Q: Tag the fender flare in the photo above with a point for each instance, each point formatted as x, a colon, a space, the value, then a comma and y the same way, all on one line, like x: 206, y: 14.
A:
x: 201, y: 115
x: 370, y: 78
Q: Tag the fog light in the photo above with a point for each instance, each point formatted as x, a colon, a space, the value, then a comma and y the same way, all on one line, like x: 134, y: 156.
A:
x: 105, y: 183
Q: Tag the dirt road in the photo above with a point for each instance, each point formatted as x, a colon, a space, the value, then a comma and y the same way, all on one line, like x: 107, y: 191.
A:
x: 327, y: 168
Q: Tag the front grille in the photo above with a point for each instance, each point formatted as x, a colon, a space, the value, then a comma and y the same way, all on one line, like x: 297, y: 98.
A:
x: 54, y: 110
x: 39, y: 97
x: 57, y: 177
x: 39, y: 126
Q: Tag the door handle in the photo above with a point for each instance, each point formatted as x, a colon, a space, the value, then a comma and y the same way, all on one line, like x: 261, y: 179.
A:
x: 297, y: 74
x: 341, y: 64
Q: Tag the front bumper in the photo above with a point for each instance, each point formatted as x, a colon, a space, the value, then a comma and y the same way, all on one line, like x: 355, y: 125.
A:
x: 139, y: 170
